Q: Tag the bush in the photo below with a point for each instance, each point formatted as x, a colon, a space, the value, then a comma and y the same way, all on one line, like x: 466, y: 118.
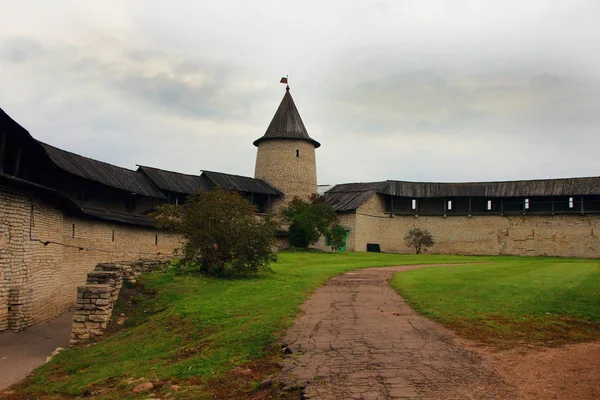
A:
x: 308, y: 221
x: 221, y: 234
x: 419, y: 239
x: 336, y: 236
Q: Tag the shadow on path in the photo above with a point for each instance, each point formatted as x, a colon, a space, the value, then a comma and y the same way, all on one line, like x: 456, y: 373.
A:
x: 22, y: 352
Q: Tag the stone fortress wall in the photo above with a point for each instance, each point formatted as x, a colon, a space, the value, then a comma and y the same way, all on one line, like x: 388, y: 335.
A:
x: 526, y: 235
x: 45, y: 254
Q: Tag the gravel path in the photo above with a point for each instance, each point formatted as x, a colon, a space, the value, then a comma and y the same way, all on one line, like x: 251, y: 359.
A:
x: 356, y: 338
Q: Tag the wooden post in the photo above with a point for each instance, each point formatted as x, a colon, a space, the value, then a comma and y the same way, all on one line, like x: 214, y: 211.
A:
x: 445, y: 206
x: 2, y: 150
x: 582, y: 209
x: 552, y: 202
x: 501, y: 205
x: 469, y: 206
x: 392, y: 206
x: 17, y: 163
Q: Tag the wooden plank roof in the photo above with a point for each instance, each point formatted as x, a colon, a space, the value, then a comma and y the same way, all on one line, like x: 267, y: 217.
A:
x: 286, y: 123
x: 532, y: 188
x: 175, y: 181
x: 350, y: 196
x: 240, y: 183
x: 101, y: 172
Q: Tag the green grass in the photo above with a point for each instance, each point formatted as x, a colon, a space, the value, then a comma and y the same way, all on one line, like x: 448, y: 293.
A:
x: 197, y: 329
x: 552, y: 301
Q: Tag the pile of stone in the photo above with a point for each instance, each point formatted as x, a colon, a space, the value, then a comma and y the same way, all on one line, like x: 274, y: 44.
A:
x: 96, y: 300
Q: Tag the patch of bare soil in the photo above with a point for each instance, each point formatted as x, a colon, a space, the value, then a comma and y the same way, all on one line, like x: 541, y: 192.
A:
x: 571, y: 372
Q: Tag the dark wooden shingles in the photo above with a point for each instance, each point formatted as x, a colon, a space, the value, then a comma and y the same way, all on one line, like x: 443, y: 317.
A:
x: 240, y: 183
x: 175, y: 181
x: 287, y: 123
x: 98, y: 171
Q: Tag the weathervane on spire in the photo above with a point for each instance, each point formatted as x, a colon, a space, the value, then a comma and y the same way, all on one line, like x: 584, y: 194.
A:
x: 285, y: 80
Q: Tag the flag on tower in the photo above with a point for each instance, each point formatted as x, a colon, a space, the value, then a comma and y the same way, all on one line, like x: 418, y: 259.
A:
x: 284, y: 80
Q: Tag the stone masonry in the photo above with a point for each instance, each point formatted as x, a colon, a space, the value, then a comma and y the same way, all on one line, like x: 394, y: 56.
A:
x: 535, y: 235
x: 97, y: 298
x: 276, y: 163
x: 46, y: 254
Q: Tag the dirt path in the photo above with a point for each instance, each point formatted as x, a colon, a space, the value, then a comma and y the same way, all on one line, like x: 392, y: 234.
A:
x: 357, y: 339
x: 22, y: 352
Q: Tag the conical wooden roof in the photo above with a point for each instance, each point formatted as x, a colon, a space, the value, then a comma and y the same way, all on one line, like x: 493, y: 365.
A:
x: 286, y: 123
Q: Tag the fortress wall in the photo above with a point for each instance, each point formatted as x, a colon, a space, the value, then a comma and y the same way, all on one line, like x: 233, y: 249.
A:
x: 39, y: 281
x: 552, y: 235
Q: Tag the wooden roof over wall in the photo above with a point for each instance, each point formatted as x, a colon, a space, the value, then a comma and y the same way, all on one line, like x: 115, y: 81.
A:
x: 175, y: 181
x: 98, y: 171
x: 350, y: 196
x: 240, y: 183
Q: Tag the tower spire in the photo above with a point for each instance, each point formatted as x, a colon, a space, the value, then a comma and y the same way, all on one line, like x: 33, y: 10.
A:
x: 287, y: 123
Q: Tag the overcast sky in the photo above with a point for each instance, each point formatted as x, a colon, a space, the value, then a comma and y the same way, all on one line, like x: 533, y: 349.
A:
x: 407, y: 90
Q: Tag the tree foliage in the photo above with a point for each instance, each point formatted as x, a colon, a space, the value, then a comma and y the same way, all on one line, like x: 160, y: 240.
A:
x: 308, y: 221
x: 221, y: 234
x: 336, y: 236
x: 419, y: 239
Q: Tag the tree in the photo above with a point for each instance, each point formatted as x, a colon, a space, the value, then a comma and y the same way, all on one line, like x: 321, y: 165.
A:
x: 419, y: 239
x: 221, y: 234
x: 336, y: 236
x: 308, y: 221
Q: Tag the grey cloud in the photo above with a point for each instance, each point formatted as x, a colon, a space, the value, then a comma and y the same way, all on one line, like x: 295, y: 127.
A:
x: 393, y: 90
x: 19, y: 49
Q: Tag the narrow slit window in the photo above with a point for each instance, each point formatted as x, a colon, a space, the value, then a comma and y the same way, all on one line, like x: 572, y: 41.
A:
x: 449, y: 203
x: 413, y: 204
x: 113, y: 235
x: 73, y: 232
x: 489, y: 205
x: 297, y: 153
x: 156, y: 239
x: 571, y: 202
x: 527, y: 204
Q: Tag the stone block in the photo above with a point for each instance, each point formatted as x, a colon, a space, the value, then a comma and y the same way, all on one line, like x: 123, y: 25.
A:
x: 92, y: 325
x: 98, y: 318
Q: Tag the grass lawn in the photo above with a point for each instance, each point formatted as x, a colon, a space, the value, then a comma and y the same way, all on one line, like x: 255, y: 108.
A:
x: 197, y: 330
x: 551, y: 301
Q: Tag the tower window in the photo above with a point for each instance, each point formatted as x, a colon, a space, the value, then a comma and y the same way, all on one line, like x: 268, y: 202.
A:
x: 297, y: 153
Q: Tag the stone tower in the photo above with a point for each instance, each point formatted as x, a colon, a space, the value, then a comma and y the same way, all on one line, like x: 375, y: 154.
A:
x: 286, y: 154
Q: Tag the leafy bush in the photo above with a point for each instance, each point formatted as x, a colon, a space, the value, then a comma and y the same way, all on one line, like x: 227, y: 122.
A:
x: 308, y: 221
x: 336, y: 236
x: 221, y: 234
x: 419, y: 239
